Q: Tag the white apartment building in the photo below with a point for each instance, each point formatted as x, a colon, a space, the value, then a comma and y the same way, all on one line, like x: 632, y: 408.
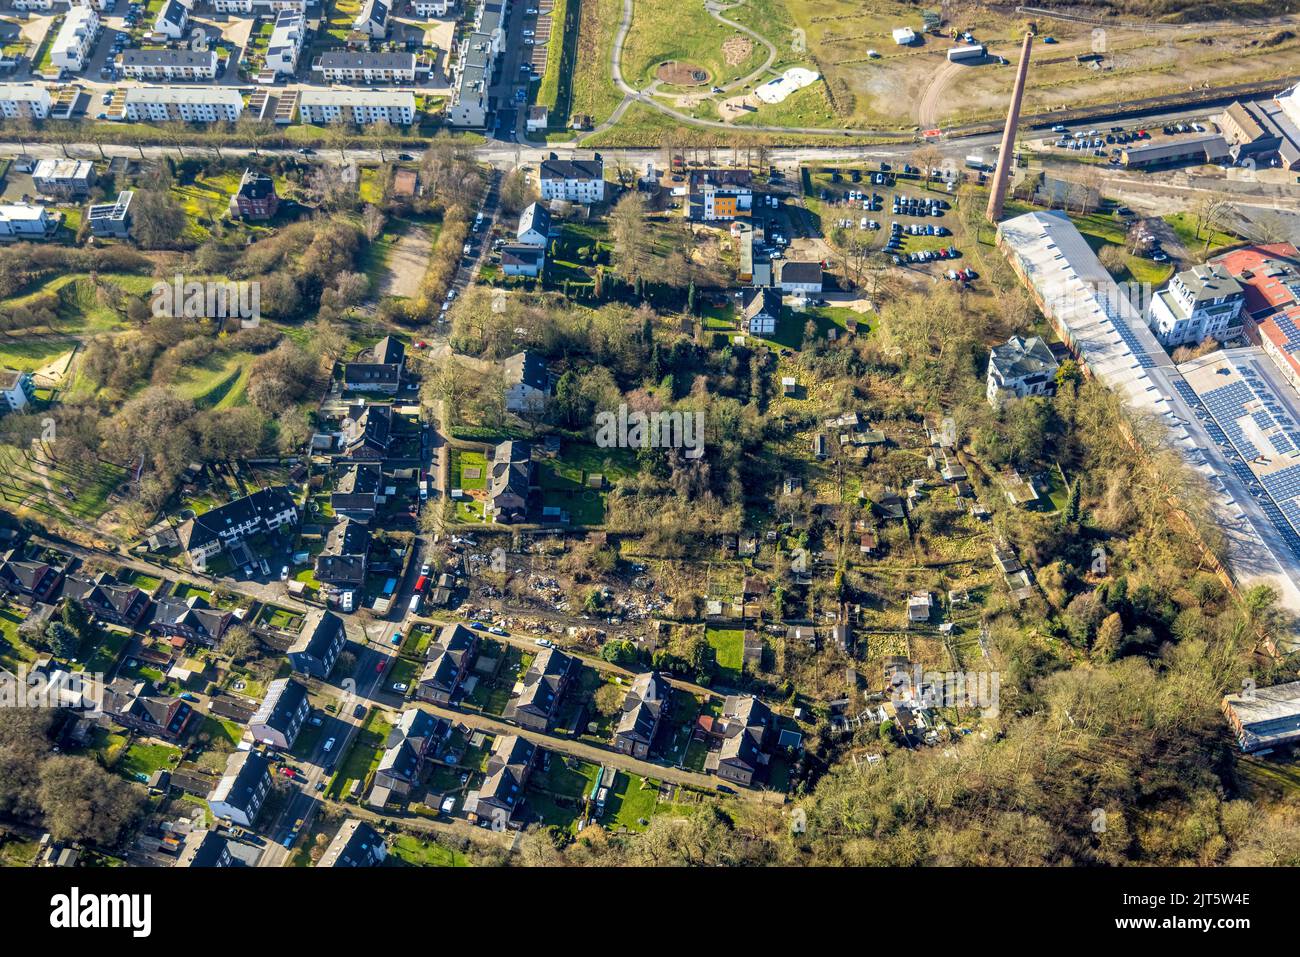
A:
x: 17, y: 99
x: 345, y: 66
x: 575, y: 181
x: 75, y: 39
x: 285, y: 46
x: 14, y: 389
x: 190, y: 104
x: 373, y: 19
x: 169, y: 64
x: 259, y: 6
x: 173, y: 17
x: 24, y: 221
x: 432, y: 8
x: 361, y: 107
x: 1021, y: 367
x: 1203, y: 302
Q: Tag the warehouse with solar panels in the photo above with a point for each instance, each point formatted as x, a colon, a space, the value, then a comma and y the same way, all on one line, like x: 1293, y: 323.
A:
x: 1231, y: 414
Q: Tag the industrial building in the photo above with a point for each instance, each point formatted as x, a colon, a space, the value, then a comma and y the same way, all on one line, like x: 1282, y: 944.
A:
x: 1229, y: 414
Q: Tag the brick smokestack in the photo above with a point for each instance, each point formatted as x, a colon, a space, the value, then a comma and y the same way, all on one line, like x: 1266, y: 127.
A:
x: 1002, y: 177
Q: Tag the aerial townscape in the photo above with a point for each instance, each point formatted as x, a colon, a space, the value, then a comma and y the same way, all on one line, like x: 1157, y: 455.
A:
x: 538, y: 433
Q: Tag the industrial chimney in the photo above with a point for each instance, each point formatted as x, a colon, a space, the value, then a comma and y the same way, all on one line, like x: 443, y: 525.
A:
x: 1002, y: 176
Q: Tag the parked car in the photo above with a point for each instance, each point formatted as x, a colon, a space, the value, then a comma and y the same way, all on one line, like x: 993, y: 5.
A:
x: 329, y: 745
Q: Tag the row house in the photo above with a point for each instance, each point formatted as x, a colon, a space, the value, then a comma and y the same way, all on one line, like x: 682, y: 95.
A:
x: 359, y: 107
x: 159, y: 104
x: 138, y: 706
x: 449, y: 661
x: 107, y: 599
x: 168, y: 64
x: 208, y: 534
x: 347, y: 66
x: 24, y: 100
x: 537, y: 704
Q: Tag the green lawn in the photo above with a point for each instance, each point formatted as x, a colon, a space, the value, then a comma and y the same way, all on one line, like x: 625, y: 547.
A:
x: 728, y: 646
x: 141, y: 760
x: 407, y: 850
x: 460, y: 459
x: 629, y: 803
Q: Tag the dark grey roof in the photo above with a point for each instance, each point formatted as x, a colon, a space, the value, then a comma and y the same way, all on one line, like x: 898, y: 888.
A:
x: 284, y: 697
x: 1019, y: 358
x: 245, y: 770
x: 528, y: 368
x: 788, y: 270
x: 356, y: 844
x: 206, y: 528
x: 179, y: 58
x: 349, y: 60
x: 173, y: 11
x: 519, y: 254
x: 556, y: 168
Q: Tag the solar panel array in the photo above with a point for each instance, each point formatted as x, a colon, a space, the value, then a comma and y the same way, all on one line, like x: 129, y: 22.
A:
x: 1278, y: 494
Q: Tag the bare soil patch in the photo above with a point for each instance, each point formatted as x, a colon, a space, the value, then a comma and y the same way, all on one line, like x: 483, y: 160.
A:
x: 737, y: 50
x: 682, y: 74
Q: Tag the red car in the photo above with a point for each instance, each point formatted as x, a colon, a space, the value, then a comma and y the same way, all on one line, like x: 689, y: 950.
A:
x: 379, y: 668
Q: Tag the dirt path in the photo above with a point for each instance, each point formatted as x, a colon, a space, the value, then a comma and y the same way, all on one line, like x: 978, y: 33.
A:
x: 407, y: 262
x: 927, y: 110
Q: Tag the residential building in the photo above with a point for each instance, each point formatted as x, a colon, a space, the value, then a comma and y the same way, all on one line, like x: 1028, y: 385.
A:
x: 359, y: 107
x: 573, y: 180
x: 367, y: 432
x: 1203, y: 302
x: 518, y: 259
x: 348, y: 66
x: 357, y: 490
x: 432, y: 8
x: 537, y: 120
x: 280, y: 716
x: 134, y: 704
x: 205, y: 849
x: 395, y: 775
x: 1021, y: 367
x: 107, y: 599
x: 71, y: 46
x: 534, y: 226
x: 342, y: 562
x: 256, y: 197
x: 219, y: 528
x: 159, y: 104
x: 449, y: 660
x: 1265, y: 718
x: 111, y: 220
x: 381, y: 371
x: 287, y: 39
x: 260, y: 6
x: 173, y: 17
x: 24, y: 100
x: 511, y: 479
x: 475, y: 65
x: 356, y: 844
x: 800, y: 278
x: 536, y: 702
x: 168, y: 64
x: 318, y: 645
x: 191, y: 619
x: 26, y: 580
x: 760, y: 309
x: 508, y: 768
x: 242, y: 790
x: 64, y: 178
x: 27, y: 221
x: 719, y: 194
x: 645, y: 706
x: 528, y: 382
x: 372, y: 20
x: 16, y: 388
x: 745, y: 727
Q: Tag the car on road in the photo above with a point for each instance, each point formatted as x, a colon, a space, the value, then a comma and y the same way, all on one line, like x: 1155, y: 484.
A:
x: 544, y: 643
x: 478, y: 626
x: 499, y: 631
x: 359, y: 711
x: 284, y: 573
x: 424, y: 569
x: 186, y: 696
x: 329, y: 745
x: 320, y: 785
x: 305, y: 151
x: 379, y: 666
x: 316, y: 721
x: 405, y: 157
x: 288, y: 772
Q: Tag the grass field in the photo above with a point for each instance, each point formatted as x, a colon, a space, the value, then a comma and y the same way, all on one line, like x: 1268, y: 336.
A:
x: 728, y: 646
x: 556, y: 88
x: 663, y: 30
